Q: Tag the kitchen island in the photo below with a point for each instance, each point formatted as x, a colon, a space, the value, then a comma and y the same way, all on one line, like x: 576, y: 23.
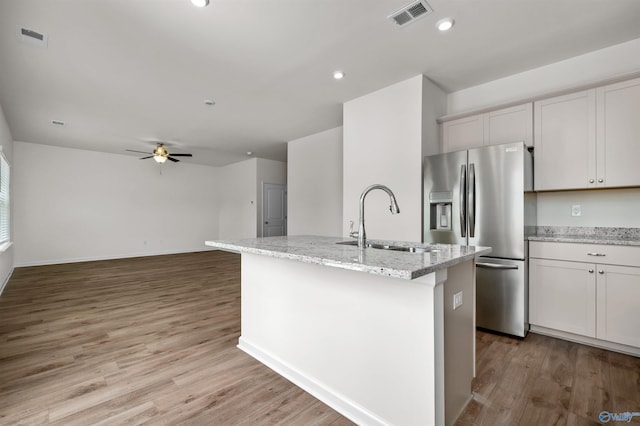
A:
x: 371, y: 332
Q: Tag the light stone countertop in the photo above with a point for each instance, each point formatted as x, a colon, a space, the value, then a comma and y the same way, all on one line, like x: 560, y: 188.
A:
x: 587, y: 235
x: 325, y: 251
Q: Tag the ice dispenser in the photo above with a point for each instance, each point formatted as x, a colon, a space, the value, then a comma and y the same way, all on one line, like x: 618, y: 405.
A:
x: 440, y: 210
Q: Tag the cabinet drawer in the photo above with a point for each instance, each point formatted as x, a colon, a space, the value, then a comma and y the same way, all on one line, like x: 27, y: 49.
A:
x: 591, y: 253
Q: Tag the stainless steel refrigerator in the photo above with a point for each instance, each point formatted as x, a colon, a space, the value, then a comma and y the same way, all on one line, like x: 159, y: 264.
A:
x: 483, y: 197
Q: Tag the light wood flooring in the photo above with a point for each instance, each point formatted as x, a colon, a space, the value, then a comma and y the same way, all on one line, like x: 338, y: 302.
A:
x: 540, y: 380
x: 138, y: 341
x: 153, y: 341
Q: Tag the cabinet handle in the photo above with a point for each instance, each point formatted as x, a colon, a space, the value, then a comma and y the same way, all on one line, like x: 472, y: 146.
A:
x: 600, y: 180
x: 601, y: 272
x: 591, y: 180
x: 596, y: 254
x: 591, y: 271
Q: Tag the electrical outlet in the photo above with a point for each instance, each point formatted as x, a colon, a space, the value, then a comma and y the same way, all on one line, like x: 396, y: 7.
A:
x: 576, y: 210
x: 457, y: 300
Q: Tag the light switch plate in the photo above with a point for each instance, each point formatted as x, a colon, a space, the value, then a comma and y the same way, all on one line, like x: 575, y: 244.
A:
x: 457, y: 300
x: 576, y: 210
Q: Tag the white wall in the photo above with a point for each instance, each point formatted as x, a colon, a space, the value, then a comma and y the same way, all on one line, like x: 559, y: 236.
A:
x: 599, y: 207
x: 314, y: 168
x: 240, y: 197
x: 6, y: 142
x: 611, y: 62
x: 237, y: 200
x: 383, y: 143
x: 80, y: 205
x: 434, y: 102
x: 268, y: 171
x: 611, y: 207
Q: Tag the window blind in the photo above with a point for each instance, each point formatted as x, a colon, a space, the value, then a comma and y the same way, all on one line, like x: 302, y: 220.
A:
x: 5, y: 209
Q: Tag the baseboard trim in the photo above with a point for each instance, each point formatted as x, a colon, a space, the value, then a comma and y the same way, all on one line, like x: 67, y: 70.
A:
x: 615, y: 347
x: 464, y: 407
x: 98, y: 258
x: 341, y: 404
x: 6, y: 280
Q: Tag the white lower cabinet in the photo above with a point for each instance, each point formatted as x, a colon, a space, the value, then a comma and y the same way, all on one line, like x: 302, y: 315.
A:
x: 618, y: 304
x: 562, y: 296
x: 595, y: 300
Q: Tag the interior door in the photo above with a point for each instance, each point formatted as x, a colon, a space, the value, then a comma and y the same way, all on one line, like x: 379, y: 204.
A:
x: 274, y: 210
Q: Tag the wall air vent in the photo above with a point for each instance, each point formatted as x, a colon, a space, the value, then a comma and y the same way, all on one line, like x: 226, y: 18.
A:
x: 410, y: 13
x: 32, y: 37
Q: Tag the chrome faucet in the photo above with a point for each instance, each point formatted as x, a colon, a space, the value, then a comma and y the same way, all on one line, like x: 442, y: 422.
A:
x: 362, y: 237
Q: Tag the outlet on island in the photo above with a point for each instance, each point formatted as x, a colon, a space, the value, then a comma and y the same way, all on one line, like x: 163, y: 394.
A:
x: 457, y: 300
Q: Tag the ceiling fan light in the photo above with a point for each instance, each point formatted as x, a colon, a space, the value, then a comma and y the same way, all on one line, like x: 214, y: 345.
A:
x: 160, y: 159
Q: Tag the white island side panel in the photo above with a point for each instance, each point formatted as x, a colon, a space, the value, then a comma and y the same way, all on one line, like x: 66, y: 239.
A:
x: 371, y: 347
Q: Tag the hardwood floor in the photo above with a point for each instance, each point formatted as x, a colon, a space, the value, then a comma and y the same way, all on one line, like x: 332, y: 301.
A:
x: 540, y: 380
x: 152, y: 341
x: 134, y: 341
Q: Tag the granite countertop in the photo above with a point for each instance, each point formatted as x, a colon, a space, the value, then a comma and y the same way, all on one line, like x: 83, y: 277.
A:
x: 587, y: 235
x: 325, y: 251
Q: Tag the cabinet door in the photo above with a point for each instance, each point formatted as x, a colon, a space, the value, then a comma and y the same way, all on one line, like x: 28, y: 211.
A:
x: 509, y: 125
x: 618, y: 134
x: 564, y: 139
x: 618, y: 289
x: 562, y: 296
x: 463, y: 133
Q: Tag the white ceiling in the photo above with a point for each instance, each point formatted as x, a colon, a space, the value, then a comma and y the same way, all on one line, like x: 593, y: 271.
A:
x: 123, y: 73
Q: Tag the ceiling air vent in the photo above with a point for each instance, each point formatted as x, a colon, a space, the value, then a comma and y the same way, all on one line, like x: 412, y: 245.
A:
x: 32, y: 37
x: 411, y: 12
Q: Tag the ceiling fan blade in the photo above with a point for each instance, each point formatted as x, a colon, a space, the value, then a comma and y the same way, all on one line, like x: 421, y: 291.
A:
x: 182, y: 155
x: 139, y: 152
x: 144, y: 158
x: 175, y: 160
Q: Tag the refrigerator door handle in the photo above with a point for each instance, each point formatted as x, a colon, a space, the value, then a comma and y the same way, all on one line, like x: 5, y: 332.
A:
x: 463, y: 204
x: 472, y: 200
x: 495, y: 266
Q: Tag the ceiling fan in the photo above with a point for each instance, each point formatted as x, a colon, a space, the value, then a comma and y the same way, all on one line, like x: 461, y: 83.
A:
x: 160, y: 154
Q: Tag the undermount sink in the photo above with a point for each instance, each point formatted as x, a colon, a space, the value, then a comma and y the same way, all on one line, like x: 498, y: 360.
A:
x: 408, y: 249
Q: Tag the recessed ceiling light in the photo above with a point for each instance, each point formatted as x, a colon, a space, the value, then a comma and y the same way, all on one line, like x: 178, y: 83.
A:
x: 338, y: 75
x: 445, y: 24
x: 249, y: 153
x: 209, y: 102
x: 200, y: 3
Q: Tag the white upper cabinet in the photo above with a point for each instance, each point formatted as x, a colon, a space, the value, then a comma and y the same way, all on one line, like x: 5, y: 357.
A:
x: 618, y: 134
x: 509, y: 125
x: 506, y: 125
x: 588, y: 139
x: 464, y: 133
x: 565, y: 141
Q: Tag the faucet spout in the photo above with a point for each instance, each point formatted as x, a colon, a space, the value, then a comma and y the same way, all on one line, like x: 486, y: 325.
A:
x: 393, y: 207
